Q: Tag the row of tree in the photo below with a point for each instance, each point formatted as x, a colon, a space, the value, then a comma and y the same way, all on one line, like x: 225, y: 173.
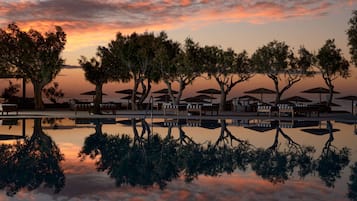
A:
x: 148, y: 58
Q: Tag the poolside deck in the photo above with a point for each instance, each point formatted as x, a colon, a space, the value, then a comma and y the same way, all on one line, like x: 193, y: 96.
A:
x: 63, y: 113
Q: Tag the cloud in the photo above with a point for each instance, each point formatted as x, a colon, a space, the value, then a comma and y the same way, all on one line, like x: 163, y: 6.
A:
x: 95, y: 14
x: 227, y: 187
x: 90, y: 23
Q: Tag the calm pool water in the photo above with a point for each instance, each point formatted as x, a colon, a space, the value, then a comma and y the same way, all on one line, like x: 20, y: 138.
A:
x: 160, y: 159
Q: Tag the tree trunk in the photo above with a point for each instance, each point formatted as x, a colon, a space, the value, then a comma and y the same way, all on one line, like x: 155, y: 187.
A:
x: 133, y: 95
x: 37, y: 87
x: 277, y: 92
x: 98, y: 98
x: 223, y: 98
x: 329, y: 101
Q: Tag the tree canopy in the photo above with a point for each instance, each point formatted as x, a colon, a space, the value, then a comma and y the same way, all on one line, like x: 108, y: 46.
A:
x: 33, y: 55
x: 277, y: 60
x: 352, y: 36
x: 332, y: 65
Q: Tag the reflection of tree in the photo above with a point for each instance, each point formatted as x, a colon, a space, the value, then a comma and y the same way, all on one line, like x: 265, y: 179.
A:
x: 147, y: 159
x: 332, y: 160
x: 276, y: 166
x: 352, y: 185
x: 242, y: 153
x: 31, y: 164
x: 53, y: 122
x: 183, y: 138
x: 138, y: 161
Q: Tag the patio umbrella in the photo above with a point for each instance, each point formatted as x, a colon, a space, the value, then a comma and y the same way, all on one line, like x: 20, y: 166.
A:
x: 297, y: 99
x: 319, y: 90
x: 128, y: 97
x: 248, y: 98
x: 351, y: 98
x: 91, y: 93
x: 260, y: 91
x: 163, y: 97
x: 165, y: 91
x: 127, y: 91
x: 209, y: 91
x: 195, y: 100
x: 203, y: 96
x: 325, y: 103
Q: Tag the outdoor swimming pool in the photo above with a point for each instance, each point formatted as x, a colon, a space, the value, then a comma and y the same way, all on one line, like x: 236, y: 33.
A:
x: 169, y: 159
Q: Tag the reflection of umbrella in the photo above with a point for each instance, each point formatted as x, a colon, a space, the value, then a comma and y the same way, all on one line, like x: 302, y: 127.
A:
x: 351, y: 98
x: 127, y: 91
x: 296, y: 99
x: 165, y: 91
x: 319, y: 90
x: 11, y: 137
x: 260, y: 128
x: 319, y: 131
x: 210, y: 124
x: 260, y: 91
x: 128, y: 122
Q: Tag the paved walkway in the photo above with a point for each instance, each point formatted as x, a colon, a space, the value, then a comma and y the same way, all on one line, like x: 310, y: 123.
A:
x: 62, y: 113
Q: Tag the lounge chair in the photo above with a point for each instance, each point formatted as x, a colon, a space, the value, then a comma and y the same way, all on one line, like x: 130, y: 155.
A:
x: 285, y: 108
x: 166, y: 107
x: 264, y: 109
x: 193, y: 108
x: 7, y: 107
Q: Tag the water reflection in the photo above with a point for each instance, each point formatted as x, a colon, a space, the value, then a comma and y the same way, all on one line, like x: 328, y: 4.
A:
x: 352, y: 185
x: 148, y: 159
x: 31, y: 164
x: 332, y: 160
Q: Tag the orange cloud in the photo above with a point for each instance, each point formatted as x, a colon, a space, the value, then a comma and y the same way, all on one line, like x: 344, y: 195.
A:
x: 89, y: 23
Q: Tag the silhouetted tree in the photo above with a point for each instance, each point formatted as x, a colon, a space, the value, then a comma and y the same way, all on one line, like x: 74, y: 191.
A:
x: 352, y: 36
x: 279, y: 63
x: 10, y: 91
x: 97, y: 74
x: 134, y: 54
x: 181, y: 66
x: 53, y: 93
x: 227, y: 68
x: 35, y: 56
x: 331, y: 65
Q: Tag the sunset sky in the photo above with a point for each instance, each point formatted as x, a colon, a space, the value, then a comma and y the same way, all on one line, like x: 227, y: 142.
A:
x: 240, y: 24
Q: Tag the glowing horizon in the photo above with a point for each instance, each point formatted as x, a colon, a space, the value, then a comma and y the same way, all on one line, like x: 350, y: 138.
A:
x: 239, y: 25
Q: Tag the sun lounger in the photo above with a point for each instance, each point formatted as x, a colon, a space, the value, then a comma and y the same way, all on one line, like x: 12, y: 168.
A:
x: 264, y: 109
x: 194, y: 108
x: 6, y: 107
x: 108, y: 107
x: 168, y: 107
x: 285, y: 108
